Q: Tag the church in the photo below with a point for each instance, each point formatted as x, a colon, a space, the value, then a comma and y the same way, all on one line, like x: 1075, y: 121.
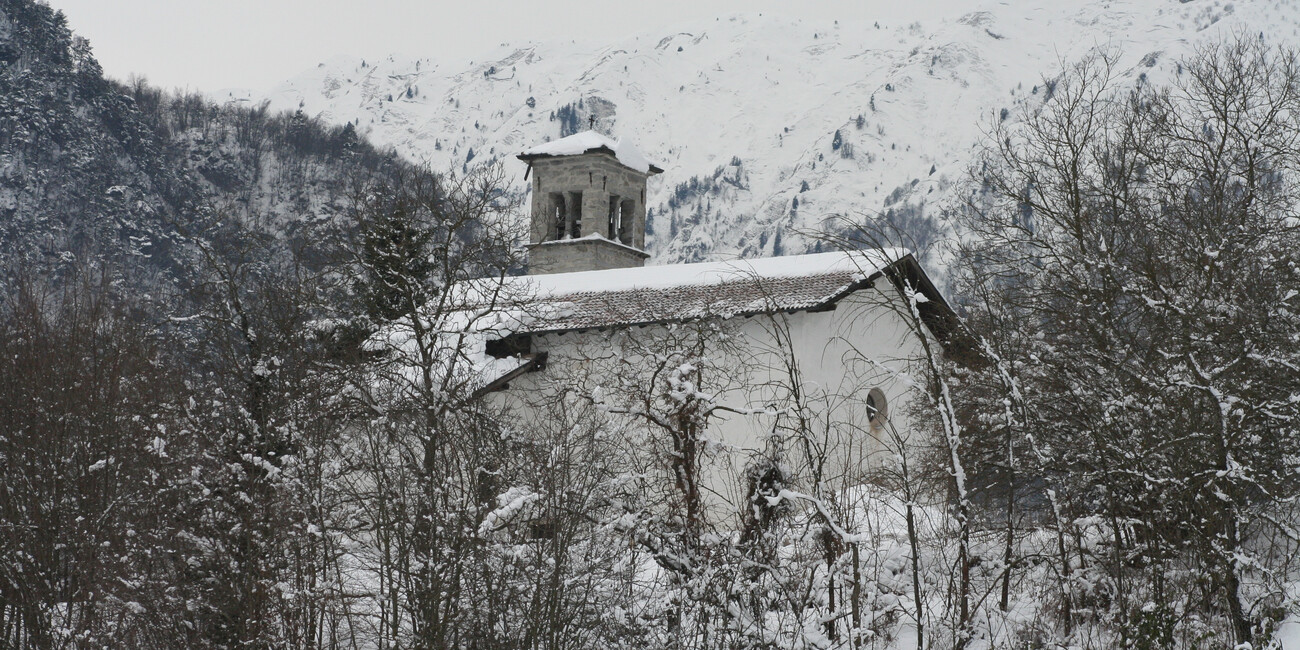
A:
x: 805, y: 360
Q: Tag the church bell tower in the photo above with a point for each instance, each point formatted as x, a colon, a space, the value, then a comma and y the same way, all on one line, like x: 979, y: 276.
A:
x: 589, y: 204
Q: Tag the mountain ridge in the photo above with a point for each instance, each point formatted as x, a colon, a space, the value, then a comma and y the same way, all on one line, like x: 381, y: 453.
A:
x: 768, y: 126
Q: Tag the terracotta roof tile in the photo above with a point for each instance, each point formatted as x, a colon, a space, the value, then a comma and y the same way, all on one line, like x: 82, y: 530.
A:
x: 744, y: 295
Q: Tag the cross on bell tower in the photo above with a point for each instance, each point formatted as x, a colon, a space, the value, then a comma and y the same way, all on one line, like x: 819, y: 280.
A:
x: 588, y: 204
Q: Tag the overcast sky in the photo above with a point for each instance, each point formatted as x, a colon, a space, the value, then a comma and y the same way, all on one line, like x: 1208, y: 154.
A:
x: 214, y: 44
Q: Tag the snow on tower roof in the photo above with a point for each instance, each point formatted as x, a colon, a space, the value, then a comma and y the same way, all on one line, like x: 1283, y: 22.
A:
x: 591, y: 142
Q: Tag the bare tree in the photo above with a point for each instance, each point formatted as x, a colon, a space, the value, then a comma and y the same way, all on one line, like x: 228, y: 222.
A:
x: 1140, y: 243
x: 89, y: 483
x: 429, y: 264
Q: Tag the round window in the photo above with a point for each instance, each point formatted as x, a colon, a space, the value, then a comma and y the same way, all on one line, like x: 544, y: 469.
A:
x: 877, y: 407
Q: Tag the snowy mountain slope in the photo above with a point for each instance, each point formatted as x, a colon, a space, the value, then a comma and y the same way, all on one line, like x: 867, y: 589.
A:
x: 99, y: 174
x: 767, y: 126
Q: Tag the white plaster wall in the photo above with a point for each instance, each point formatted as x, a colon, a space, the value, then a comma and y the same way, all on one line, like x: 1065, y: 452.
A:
x: 837, y: 357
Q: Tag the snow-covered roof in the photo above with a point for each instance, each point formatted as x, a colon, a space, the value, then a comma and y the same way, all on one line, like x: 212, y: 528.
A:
x: 457, y: 342
x: 590, y: 141
x: 629, y: 296
x: 496, y: 308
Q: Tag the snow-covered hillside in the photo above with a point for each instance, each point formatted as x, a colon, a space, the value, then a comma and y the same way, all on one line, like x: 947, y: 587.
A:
x: 766, y: 126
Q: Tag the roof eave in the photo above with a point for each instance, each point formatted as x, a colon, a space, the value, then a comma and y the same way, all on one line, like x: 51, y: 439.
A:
x: 530, y: 364
x: 594, y: 241
x: 530, y: 157
x: 936, y: 314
